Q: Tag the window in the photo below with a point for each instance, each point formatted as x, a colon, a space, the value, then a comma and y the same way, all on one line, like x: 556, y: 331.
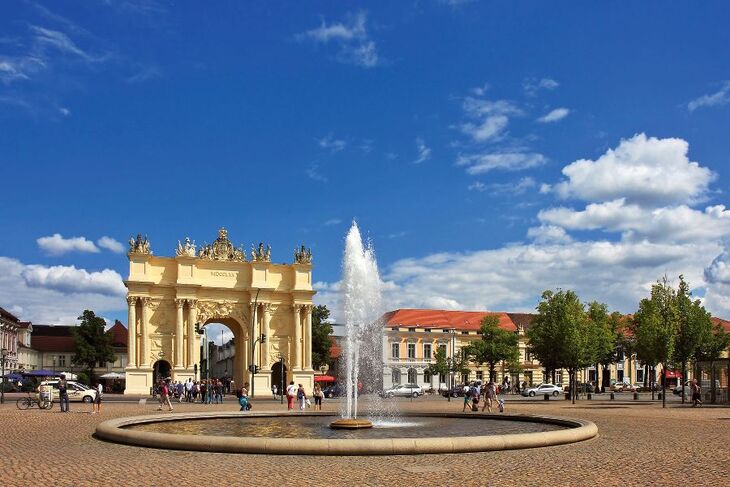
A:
x: 620, y: 375
x: 464, y: 355
x: 559, y: 377
x: 427, y: 330
x: 411, y: 350
x: 427, y: 376
x: 426, y: 350
x: 62, y: 361
x: 395, y: 350
x: 528, y: 356
x: 412, y: 376
x: 480, y: 375
x: 411, y: 330
x: 465, y: 377
x: 442, y: 378
x: 395, y: 376
x: 640, y: 375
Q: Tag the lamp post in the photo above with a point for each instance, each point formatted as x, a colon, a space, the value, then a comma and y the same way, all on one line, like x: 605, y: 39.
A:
x: 252, y: 366
x: 449, y: 387
x: 281, y: 375
x: 3, y: 358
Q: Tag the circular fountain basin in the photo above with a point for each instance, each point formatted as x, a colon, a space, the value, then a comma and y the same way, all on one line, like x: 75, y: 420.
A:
x: 351, y: 424
x: 472, y: 433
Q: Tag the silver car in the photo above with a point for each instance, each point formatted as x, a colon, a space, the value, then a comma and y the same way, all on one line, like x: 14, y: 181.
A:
x: 550, y: 389
x: 404, y: 390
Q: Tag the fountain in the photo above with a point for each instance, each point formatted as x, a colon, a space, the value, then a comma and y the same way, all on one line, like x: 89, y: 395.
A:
x: 361, y: 307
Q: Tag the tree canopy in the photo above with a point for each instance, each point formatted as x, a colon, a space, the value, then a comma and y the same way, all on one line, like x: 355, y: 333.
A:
x: 93, y: 344
x: 496, y: 345
x: 321, y: 336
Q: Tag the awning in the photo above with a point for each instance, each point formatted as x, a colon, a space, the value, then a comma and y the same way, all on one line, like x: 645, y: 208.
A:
x: 113, y: 375
x: 324, y: 378
x: 41, y: 373
x: 673, y: 374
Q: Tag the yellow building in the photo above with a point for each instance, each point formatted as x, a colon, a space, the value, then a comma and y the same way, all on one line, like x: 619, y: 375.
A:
x: 172, y: 298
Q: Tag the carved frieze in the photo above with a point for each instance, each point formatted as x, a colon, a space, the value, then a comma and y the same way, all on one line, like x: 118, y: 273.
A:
x: 208, y: 310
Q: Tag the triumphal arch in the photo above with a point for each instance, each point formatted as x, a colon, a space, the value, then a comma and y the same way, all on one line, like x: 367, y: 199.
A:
x: 171, y: 299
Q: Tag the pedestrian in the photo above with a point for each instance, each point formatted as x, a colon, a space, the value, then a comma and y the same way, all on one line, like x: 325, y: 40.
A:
x: 467, y: 398
x: 63, y: 394
x: 189, y: 390
x: 195, y: 391
x: 318, y: 395
x: 243, y: 398
x: 302, y: 398
x: 490, y: 392
x: 218, y: 392
x: 164, y: 395
x: 203, y: 391
x: 96, y: 405
x: 274, y: 390
x: 696, y: 393
x: 291, y: 394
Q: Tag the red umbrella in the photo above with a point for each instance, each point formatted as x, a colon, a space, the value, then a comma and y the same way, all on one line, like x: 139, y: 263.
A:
x: 324, y: 378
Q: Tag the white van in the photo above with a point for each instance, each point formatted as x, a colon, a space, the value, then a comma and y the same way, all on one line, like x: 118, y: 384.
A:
x: 76, y: 390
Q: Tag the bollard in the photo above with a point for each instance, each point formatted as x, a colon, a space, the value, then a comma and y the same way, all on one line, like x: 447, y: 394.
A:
x: 547, y: 397
x: 659, y: 396
x: 636, y: 396
x: 612, y: 396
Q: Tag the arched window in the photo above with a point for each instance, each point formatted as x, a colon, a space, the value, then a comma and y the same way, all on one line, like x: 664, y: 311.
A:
x: 412, y: 376
x: 395, y: 376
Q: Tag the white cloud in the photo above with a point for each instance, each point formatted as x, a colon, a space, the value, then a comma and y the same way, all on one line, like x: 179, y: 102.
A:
x: 351, y: 36
x: 477, y: 186
x: 720, y: 97
x: 331, y: 144
x: 58, y: 294
x: 554, y: 115
x: 333, y: 221
x: 533, y: 86
x: 56, y: 244
x: 60, y: 41
x: 64, y: 111
x: 492, y: 118
x: 145, y: 73
x: 548, y: 234
x: 314, y: 174
x: 490, y: 128
x: 508, y: 161
x: 424, y: 152
x: 514, y: 188
x: 111, y: 244
x: 644, y: 170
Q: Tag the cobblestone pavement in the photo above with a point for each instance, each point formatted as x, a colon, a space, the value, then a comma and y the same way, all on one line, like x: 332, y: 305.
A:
x: 638, y: 444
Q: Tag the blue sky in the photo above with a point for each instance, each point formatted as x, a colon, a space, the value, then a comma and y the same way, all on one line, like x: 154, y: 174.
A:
x: 490, y: 149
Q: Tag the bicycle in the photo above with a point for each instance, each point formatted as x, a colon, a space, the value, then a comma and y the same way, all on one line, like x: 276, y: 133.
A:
x: 28, y: 402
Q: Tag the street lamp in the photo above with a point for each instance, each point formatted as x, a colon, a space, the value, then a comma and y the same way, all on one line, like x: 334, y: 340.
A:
x: 2, y: 388
x: 449, y: 385
x: 281, y: 391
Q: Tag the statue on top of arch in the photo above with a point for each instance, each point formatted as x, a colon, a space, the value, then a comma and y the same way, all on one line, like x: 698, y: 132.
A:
x: 187, y: 249
x: 261, y: 254
x: 139, y: 246
x: 303, y: 255
x: 222, y: 249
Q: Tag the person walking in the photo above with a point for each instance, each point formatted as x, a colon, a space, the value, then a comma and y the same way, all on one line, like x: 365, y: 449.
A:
x: 164, y: 396
x: 274, y: 390
x: 302, y: 398
x: 189, y: 390
x: 291, y: 394
x: 96, y: 405
x: 318, y: 395
x: 696, y: 393
x: 63, y: 394
x: 490, y: 392
x: 467, y: 398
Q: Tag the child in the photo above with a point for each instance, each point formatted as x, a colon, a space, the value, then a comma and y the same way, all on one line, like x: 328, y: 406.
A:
x: 501, y: 405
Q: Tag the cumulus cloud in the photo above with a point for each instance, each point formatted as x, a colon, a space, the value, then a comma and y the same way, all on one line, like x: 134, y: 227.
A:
x: 56, y: 244
x: 644, y: 170
x: 424, y: 152
x: 333, y: 221
x: 720, y: 97
x: 548, y: 234
x: 355, y: 46
x: 110, y: 244
x: 509, y: 161
x: 58, y: 294
x: 532, y: 86
x: 554, y: 115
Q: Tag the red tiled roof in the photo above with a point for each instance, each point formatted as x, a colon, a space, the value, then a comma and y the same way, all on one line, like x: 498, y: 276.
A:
x: 25, y: 324
x: 719, y: 321
x: 8, y: 315
x: 53, y: 343
x: 436, y: 318
x: 119, y: 334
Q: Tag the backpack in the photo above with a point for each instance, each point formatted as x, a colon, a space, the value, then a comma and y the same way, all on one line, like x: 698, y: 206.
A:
x: 300, y: 394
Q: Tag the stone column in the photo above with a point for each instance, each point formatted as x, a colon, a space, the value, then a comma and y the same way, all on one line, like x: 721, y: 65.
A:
x: 254, y: 334
x: 297, y: 359
x: 179, y: 303
x: 132, y: 332
x: 308, y: 337
x: 266, y: 347
x: 144, y: 347
x: 192, y: 318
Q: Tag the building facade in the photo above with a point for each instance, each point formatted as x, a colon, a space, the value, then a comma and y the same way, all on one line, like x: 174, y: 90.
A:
x: 171, y: 299
x: 9, y: 329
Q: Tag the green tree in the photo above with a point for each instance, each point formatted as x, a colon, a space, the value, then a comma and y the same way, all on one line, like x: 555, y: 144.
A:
x: 321, y: 336
x: 711, y: 349
x: 693, y: 326
x: 93, y: 344
x: 604, y: 338
x: 497, y: 345
x: 655, y: 328
x: 560, y: 334
x: 440, y: 365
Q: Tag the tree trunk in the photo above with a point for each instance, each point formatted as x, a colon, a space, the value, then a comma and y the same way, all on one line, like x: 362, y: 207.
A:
x: 681, y: 381
x: 651, y: 382
x: 664, y: 385
x: 491, y: 372
x: 573, y: 385
x: 631, y: 376
x: 712, y: 381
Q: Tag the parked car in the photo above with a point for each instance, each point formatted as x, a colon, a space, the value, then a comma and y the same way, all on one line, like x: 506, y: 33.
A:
x: 404, y: 390
x: 76, y: 390
x: 551, y: 389
x: 705, y: 386
x: 623, y: 387
x: 456, y: 391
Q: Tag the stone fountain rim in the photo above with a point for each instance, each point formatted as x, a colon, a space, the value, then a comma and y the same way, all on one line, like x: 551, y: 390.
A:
x: 116, y: 430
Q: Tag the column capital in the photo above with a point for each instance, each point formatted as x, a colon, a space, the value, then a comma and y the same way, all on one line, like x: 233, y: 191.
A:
x: 147, y: 301
x: 267, y: 306
x: 179, y: 303
x: 297, y: 307
x: 193, y: 303
x: 132, y: 300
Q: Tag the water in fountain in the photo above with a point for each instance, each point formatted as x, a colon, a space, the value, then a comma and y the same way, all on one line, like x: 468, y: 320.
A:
x: 362, y: 310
